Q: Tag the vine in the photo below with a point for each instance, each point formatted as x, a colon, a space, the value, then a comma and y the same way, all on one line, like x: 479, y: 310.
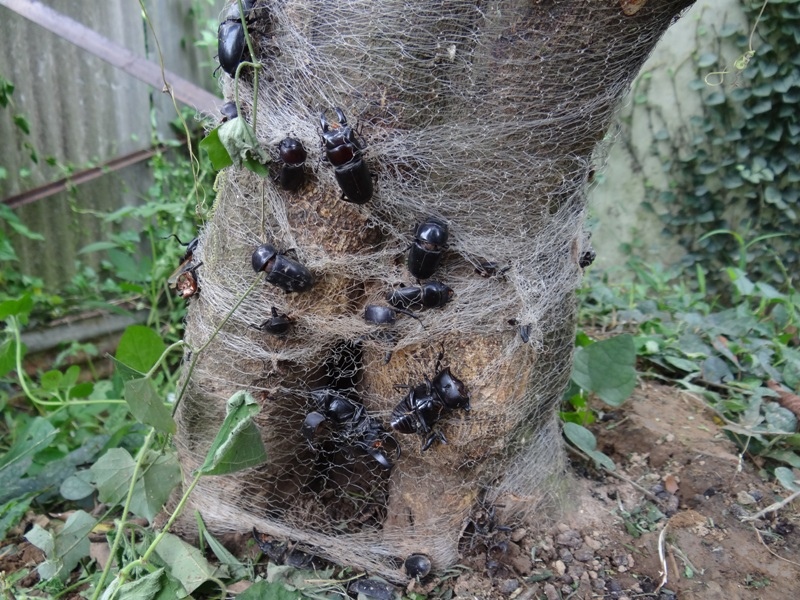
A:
x: 737, y: 167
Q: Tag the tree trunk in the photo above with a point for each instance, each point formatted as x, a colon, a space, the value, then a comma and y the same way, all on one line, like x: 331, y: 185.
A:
x: 483, y: 114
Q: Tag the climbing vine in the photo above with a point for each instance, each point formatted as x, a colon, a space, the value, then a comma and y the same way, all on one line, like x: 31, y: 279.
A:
x: 736, y: 168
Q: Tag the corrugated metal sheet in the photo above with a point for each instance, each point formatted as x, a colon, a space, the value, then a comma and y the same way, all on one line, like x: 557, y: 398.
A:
x: 82, y: 112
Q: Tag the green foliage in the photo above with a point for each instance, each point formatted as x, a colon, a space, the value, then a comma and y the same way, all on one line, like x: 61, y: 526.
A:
x: 725, y: 355
x: 737, y: 167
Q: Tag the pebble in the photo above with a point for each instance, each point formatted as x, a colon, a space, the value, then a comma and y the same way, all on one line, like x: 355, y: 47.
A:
x: 577, y: 570
x: 619, y: 560
x: 509, y: 586
x: 584, y: 554
x: 569, y: 538
x: 518, y: 534
x: 745, y: 498
x: 565, y: 555
x: 592, y: 543
x: 551, y: 592
x: 560, y: 567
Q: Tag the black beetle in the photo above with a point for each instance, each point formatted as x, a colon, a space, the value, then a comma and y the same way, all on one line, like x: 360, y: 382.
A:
x: 230, y: 37
x: 292, y: 175
x: 433, y: 294
x: 384, y: 315
x: 356, y: 428
x: 425, y: 254
x: 417, y: 565
x: 228, y: 111
x: 424, y: 404
x: 278, y: 324
x: 344, y: 151
x: 287, y: 274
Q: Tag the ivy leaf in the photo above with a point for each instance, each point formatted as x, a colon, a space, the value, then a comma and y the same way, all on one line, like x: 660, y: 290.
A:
x: 238, y: 443
x: 240, y: 141
x: 607, y: 368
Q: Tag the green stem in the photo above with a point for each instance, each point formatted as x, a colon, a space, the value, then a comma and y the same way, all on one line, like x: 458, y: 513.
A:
x: 210, y: 339
x: 163, y: 356
x: 124, y: 516
x: 14, y: 325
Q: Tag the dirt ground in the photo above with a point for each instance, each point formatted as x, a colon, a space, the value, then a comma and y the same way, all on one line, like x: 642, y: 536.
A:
x: 670, y: 447
x: 676, y: 470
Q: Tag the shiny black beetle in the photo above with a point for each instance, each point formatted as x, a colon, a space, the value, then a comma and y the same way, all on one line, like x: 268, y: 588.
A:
x: 587, y: 258
x: 293, y: 156
x: 230, y: 37
x: 433, y: 294
x: 424, y: 404
x: 344, y: 151
x: 278, y: 324
x: 425, y: 254
x: 356, y: 429
x: 384, y: 315
x: 282, y: 271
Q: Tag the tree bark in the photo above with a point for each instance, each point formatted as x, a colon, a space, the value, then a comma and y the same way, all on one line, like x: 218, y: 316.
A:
x: 485, y: 114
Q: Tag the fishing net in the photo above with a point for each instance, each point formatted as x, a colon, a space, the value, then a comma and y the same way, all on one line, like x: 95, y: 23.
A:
x: 484, y: 115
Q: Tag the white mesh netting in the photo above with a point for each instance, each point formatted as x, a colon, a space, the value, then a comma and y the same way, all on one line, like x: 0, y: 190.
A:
x: 482, y: 114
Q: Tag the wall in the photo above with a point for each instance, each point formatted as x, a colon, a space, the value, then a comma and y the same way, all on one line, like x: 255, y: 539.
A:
x: 662, y: 102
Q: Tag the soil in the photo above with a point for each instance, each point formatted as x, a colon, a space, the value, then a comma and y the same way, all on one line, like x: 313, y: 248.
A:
x: 677, y: 470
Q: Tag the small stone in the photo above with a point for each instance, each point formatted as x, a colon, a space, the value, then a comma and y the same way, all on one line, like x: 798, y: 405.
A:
x: 577, y: 570
x: 586, y: 576
x: 592, y: 543
x: 565, y: 555
x: 619, y: 560
x: 560, y: 567
x: 584, y: 554
x: 518, y: 534
x: 562, y: 527
x: 550, y: 591
x: 757, y: 495
x: 612, y: 585
x: 630, y: 561
x: 569, y: 538
x: 745, y: 498
x: 599, y: 585
x: 738, y: 512
x: 509, y: 586
x: 622, y: 568
x: 592, y: 574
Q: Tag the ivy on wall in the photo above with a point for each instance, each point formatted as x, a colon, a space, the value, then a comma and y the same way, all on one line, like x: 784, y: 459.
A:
x: 737, y: 167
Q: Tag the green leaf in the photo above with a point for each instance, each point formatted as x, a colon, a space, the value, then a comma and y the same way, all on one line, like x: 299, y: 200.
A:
x: 97, y: 246
x: 77, y: 486
x: 19, y: 306
x: 144, y: 588
x: 186, y: 563
x: 607, y: 368
x: 787, y: 479
x: 35, y: 437
x: 217, y: 153
x: 65, y: 549
x: 140, y: 348
x: 147, y: 406
x: 241, y: 142
x: 12, y: 512
x: 238, y: 443
x: 235, y: 567
x: 51, y: 380
x: 264, y: 589
x: 160, y: 474
x: 8, y: 356
x: 585, y: 441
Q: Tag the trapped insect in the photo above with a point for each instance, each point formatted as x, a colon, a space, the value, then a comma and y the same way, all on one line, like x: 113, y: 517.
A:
x: 425, y: 403
x: 425, y: 254
x: 344, y: 151
x: 278, y: 324
x: 356, y: 429
x: 230, y: 37
x: 282, y: 271
x: 432, y: 294
x: 292, y: 175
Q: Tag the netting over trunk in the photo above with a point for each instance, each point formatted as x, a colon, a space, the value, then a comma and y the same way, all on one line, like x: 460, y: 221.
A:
x: 483, y: 115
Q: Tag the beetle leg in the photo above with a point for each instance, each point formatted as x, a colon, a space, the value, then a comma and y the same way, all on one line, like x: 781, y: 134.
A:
x: 432, y: 437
